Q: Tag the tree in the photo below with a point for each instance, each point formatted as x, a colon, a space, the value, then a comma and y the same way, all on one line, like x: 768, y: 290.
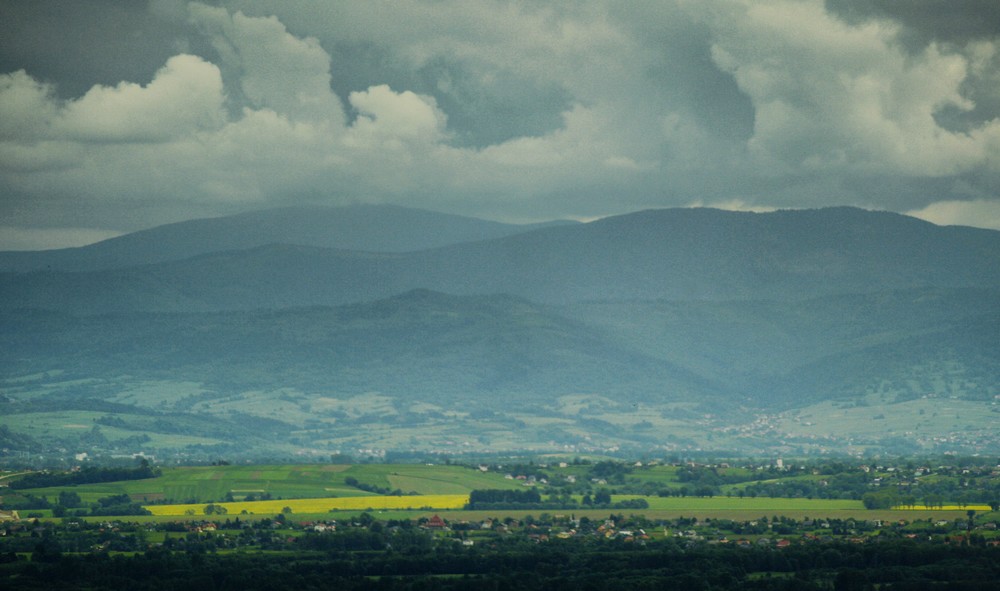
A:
x: 69, y: 499
x: 47, y: 550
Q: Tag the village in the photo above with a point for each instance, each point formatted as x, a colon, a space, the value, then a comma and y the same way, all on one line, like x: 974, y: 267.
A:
x: 23, y: 537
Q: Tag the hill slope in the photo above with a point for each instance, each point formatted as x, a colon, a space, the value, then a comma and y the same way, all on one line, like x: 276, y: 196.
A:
x: 420, y: 345
x: 423, y: 368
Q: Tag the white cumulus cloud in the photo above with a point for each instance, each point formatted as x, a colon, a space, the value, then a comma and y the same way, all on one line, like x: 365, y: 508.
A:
x: 184, y: 97
x: 384, y: 115
x: 833, y: 96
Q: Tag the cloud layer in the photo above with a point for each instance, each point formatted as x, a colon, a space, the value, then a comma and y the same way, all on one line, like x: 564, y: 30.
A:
x: 506, y: 110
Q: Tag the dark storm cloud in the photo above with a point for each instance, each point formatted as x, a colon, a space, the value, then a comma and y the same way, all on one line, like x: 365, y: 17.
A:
x: 953, y: 21
x: 509, y: 110
x: 79, y: 44
x: 960, y: 23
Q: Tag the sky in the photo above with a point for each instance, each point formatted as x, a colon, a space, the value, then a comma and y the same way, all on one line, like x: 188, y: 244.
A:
x: 117, y: 116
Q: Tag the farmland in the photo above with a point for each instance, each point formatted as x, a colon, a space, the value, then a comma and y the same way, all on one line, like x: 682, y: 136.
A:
x: 321, y: 505
x: 401, y: 520
x: 203, y: 484
x: 413, y: 490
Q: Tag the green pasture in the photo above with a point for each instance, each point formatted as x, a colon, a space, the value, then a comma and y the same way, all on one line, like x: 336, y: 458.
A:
x: 213, y: 483
x: 429, y: 480
x: 662, y: 475
x: 767, y: 505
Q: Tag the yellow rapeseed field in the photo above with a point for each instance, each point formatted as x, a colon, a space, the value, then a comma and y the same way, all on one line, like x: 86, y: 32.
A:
x: 323, y: 505
x: 941, y: 508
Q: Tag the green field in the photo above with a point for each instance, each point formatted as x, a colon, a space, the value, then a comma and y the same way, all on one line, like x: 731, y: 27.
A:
x: 202, y: 484
x: 198, y: 485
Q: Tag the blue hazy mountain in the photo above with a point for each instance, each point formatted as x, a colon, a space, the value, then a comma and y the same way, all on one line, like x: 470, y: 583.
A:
x: 379, y: 228
x: 678, y: 254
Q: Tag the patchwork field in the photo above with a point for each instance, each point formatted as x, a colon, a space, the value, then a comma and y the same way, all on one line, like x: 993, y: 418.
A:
x: 325, y: 491
x: 204, y: 484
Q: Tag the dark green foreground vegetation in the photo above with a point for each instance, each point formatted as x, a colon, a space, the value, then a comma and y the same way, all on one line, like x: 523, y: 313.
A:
x: 412, y: 558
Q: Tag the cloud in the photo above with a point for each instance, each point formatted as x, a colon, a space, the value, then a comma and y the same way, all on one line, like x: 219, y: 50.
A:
x: 832, y: 96
x: 26, y: 107
x: 733, y: 205
x: 43, y: 135
x: 980, y: 213
x: 15, y: 238
x: 387, y: 117
x: 276, y: 69
x: 185, y: 97
x: 516, y: 111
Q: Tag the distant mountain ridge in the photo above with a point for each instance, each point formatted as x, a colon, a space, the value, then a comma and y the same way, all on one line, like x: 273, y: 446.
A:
x: 375, y: 228
x: 678, y: 254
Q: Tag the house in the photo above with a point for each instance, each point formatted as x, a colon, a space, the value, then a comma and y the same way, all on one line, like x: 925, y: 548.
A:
x: 9, y: 516
x: 436, y: 522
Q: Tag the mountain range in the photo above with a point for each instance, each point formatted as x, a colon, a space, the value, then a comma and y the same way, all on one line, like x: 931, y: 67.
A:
x: 680, y: 254
x: 384, y: 327
x: 375, y: 228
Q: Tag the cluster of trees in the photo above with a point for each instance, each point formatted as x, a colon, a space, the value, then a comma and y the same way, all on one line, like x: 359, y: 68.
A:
x: 532, y: 499
x: 379, y: 490
x: 405, y: 558
x: 68, y: 503
x: 118, y: 505
x: 496, y: 496
x: 87, y: 475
